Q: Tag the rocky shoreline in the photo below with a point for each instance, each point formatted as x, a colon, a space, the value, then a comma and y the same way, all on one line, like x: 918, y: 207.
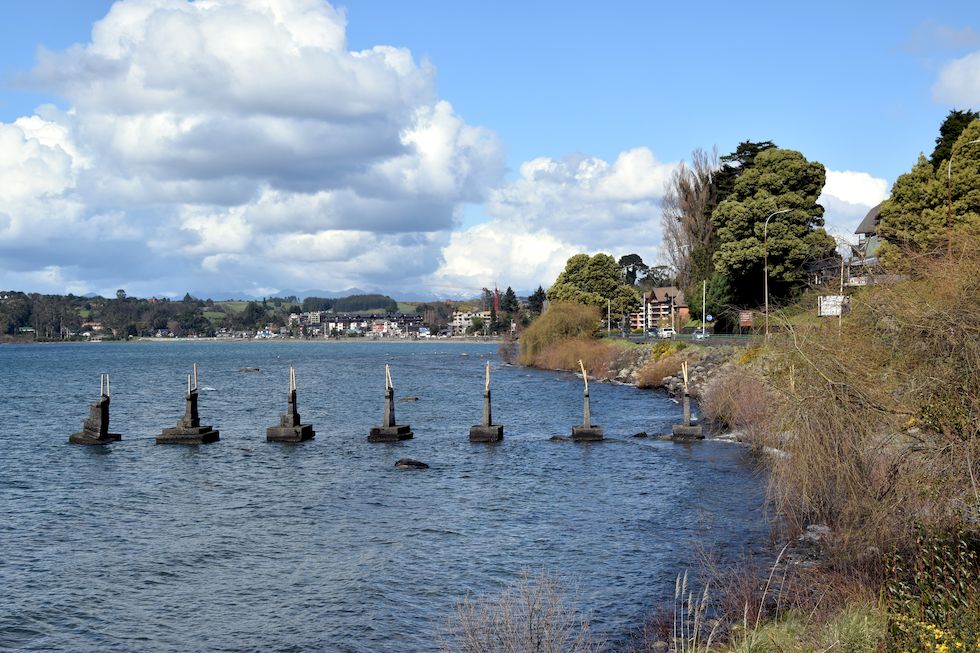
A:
x: 705, y: 363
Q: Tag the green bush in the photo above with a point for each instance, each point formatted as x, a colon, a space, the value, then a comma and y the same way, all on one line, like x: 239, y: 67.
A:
x: 562, y: 321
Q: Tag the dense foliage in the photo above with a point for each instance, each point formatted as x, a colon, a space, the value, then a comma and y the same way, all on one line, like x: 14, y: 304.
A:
x: 562, y: 321
x: 714, y: 217
x: 918, y: 218
x: 594, y: 281
x: 351, y: 304
x: 949, y: 132
x: 778, y: 180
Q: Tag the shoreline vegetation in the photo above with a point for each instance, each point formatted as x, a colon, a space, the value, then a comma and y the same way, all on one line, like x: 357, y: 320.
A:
x: 874, y: 485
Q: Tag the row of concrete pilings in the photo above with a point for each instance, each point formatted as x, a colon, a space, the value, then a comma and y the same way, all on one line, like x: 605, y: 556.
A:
x: 189, y: 430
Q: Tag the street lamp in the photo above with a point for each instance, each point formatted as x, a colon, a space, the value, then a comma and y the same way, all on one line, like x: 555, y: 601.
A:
x: 949, y: 198
x: 765, y: 238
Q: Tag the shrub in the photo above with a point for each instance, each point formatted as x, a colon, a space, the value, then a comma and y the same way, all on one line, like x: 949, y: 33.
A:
x: 885, y: 413
x: 933, y: 592
x: 653, y: 372
x: 533, y: 614
x: 739, y: 400
x: 562, y: 321
x: 596, y: 355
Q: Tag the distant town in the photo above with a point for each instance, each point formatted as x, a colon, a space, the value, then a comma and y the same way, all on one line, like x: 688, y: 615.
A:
x: 34, y: 317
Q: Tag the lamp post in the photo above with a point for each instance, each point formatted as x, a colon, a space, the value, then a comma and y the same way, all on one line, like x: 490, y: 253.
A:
x: 949, y: 198
x: 765, y: 247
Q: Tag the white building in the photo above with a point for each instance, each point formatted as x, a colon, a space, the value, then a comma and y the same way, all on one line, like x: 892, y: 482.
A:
x: 463, y: 320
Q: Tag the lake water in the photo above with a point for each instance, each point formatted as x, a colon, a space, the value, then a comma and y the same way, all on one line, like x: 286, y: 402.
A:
x: 245, y: 545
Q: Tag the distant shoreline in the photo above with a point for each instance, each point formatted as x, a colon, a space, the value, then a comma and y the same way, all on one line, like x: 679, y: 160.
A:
x: 427, y: 341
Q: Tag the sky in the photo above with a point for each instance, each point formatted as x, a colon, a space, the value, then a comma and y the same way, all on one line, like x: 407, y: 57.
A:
x: 428, y: 149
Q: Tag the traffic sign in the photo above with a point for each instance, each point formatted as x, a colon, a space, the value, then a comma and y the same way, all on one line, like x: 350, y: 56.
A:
x: 708, y: 317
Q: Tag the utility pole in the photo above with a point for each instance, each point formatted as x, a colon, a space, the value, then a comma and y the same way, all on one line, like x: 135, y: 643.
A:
x: 765, y: 266
x: 840, y: 314
x: 608, y: 317
x: 704, y: 298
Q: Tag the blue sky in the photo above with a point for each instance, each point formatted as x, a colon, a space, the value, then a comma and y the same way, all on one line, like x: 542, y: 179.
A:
x: 516, y: 134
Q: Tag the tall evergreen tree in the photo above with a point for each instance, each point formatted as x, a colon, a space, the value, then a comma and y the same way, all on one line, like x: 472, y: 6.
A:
x: 918, y: 218
x: 594, y: 281
x: 778, y: 179
x: 509, y: 303
x: 949, y: 132
x: 535, y: 300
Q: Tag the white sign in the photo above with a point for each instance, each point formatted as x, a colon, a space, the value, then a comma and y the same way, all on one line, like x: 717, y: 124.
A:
x: 832, y: 305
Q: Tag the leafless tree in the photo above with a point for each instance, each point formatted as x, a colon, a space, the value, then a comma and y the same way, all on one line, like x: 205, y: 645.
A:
x: 533, y: 614
x: 686, y: 218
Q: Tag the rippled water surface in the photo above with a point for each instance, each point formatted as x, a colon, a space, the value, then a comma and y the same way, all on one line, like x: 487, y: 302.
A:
x: 246, y: 545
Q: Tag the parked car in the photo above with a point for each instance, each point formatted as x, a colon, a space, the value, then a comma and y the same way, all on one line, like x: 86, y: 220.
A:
x: 653, y: 332
x: 701, y: 335
x: 667, y: 332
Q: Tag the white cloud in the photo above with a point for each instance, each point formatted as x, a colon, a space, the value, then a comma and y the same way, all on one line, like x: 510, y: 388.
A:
x: 556, y: 208
x: 855, y: 187
x: 959, y: 82
x: 497, y: 251
x: 228, y: 144
x: 847, y: 197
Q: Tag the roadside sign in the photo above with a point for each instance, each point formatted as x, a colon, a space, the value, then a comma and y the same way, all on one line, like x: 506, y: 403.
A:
x: 708, y: 317
x: 832, y: 305
x: 745, y: 318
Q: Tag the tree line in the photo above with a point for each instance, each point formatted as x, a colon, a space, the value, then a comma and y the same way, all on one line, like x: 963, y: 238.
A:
x: 734, y: 223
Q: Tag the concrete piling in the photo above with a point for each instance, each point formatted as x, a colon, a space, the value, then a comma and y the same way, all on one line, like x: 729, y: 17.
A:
x: 586, y: 431
x: 686, y: 429
x: 289, y: 428
x: 389, y: 431
x: 486, y: 431
x: 189, y: 429
x: 95, y: 428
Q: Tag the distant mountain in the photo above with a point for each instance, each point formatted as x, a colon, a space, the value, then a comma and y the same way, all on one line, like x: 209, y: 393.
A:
x: 221, y: 296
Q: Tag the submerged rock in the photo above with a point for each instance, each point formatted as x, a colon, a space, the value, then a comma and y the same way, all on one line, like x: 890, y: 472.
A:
x: 409, y: 463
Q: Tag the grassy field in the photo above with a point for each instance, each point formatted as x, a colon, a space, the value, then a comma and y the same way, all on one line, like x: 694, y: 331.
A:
x: 214, y: 316
x: 231, y: 306
x: 407, y: 307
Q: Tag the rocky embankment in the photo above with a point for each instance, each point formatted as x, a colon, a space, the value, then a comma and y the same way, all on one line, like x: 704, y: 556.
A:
x: 634, y: 367
x: 709, y: 364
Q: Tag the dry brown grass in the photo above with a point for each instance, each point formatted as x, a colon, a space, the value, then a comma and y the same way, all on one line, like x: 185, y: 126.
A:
x: 562, y: 321
x: 533, y: 614
x: 665, y: 360
x: 741, y: 401
x: 885, y: 415
x: 654, y: 371
x: 596, y: 355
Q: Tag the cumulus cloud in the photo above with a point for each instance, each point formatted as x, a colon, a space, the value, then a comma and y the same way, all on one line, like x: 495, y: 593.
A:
x: 959, y: 82
x: 847, y: 197
x: 225, y: 145
x: 556, y: 208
